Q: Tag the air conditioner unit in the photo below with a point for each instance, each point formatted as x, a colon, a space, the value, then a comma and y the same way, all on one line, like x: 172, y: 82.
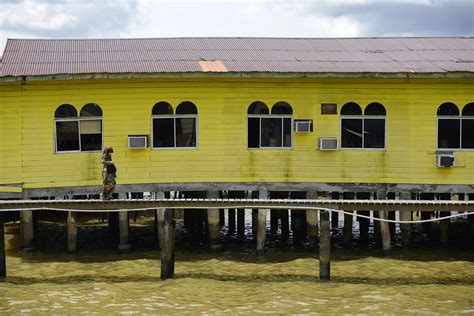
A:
x: 328, y: 143
x: 137, y: 141
x: 445, y: 160
x: 303, y: 126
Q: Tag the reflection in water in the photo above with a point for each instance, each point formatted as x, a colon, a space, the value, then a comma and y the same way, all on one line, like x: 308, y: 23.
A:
x: 235, y: 281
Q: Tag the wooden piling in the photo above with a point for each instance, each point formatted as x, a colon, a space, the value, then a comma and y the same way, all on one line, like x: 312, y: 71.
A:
x: 71, y: 231
x: 159, y: 231
x: 213, y: 223
x: 364, y: 223
x: 384, y: 227
x: 347, y: 231
x: 167, y: 242
x: 285, y: 224
x: 240, y: 223
x: 312, y: 221
x: 335, y: 215
x: 3, y: 262
x: 325, y: 247
x: 405, y: 216
x: 231, y: 221
x: 27, y: 230
x: 124, y: 245
x: 261, y: 223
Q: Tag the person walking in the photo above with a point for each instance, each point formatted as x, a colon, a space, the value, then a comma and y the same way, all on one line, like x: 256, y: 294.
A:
x: 108, y: 173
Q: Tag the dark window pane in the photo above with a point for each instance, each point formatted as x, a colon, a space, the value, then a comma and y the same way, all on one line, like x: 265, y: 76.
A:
x: 467, y: 134
x: 163, y: 132
x: 254, y: 132
x: 65, y: 110
x: 374, y: 133
x: 186, y: 108
x: 448, y: 133
x: 286, y: 132
x: 468, y: 110
x: 67, y: 136
x: 258, y: 108
x: 185, y: 132
x: 351, y: 133
x: 162, y: 108
x: 91, y: 135
x: 282, y: 108
x: 448, y: 109
x: 375, y: 109
x: 271, y: 132
x: 91, y: 109
x: 351, y: 108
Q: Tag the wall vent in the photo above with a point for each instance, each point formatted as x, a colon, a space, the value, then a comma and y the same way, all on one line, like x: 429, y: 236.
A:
x: 328, y: 143
x: 137, y: 141
x: 303, y: 126
x: 445, y: 160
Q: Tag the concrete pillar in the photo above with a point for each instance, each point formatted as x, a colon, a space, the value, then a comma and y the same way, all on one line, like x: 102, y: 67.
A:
x: 312, y: 221
x: 261, y: 223
x: 334, y: 215
x: 364, y: 223
x: 384, y: 227
x: 273, y: 222
x: 231, y: 221
x: 167, y: 242
x: 325, y: 247
x: 124, y: 245
x: 159, y: 196
x: 240, y: 223
x: 213, y: 223
x: 405, y: 215
x: 71, y: 231
x: 347, y: 231
x: 27, y: 230
x: 285, y: 224
x: 444, y: 224
x: 298, y: 220
x: 3, y: 262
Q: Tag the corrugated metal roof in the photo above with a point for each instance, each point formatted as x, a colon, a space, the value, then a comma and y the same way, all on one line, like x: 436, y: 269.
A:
x: 32, y: 57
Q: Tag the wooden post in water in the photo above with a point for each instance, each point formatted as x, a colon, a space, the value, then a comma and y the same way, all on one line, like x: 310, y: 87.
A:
x: 347, y: 230
x: 240, y: 223
x: 3, y: 262
x: 384, y: 227
x: 124, y: 245
x: 444, y: 224
x: 261, y: 223
x: 213, y: 223
x: 167, y: 242
x: 231, y: 220
x: 325, y: 247
x: 405, y: 216
x: 159, y: 227
x: 27, y: 230
x: 71, y: 231
x: 334, y: 215
x: 312, y: 221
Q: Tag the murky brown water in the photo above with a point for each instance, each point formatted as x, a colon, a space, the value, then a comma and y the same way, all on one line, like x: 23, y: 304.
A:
x: 285, y: 281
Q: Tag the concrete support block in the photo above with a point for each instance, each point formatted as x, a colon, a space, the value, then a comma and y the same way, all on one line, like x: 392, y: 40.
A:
x: 213, y: 223
x: 405, y: 216
x: 262, y: 223
x: 167, y: 243
x: 71, y: 231
x: 124, y: 245
x: 26, y: 230
x: 325, y: 247
x: 312, y: 221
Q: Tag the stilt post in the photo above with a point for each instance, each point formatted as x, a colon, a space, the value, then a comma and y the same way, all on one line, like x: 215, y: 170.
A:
x: 27, y: 230
x: 312, y: 221
x: 384, y: 227
x: 124, y: 245
x: 3, y: 262
x: 213, y: 223
x: 262, y: 223
x: 71, y: 231
x: 325, y: 247
x: 347, y: 230
x: 167, y: 242
x: 405, y: 216
x: 159, y: 225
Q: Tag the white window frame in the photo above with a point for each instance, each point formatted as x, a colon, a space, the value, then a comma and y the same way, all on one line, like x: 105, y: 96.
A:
x: 363, y: 118
x: 78, y: 120
x: 452, y: 117
x: 174, y: 117
x: 271, y: 116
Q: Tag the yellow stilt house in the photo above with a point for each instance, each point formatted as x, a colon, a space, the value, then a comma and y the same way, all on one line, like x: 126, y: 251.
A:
x: 287, y: 114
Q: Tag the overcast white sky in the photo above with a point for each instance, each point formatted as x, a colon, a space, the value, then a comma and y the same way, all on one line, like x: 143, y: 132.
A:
x: 243, y: 18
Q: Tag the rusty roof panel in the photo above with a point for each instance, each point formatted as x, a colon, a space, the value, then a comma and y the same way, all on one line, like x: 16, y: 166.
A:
x: 161, y: 55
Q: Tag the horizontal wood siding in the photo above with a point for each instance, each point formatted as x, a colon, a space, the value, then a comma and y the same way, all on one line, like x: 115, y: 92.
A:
x: 27, y: 131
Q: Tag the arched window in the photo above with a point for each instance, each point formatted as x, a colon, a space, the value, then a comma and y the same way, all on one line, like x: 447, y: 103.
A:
x: 269, y: 131
x: 467, y: 123
x: 363, y: 131
x: 449, y: 126
x: 174, y: 131
x: 82, y: 133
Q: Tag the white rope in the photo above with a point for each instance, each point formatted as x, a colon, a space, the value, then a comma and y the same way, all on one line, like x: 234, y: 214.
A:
x: 254, y: 207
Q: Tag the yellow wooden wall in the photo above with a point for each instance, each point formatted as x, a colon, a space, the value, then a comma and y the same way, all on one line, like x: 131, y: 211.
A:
x: 27, y: 131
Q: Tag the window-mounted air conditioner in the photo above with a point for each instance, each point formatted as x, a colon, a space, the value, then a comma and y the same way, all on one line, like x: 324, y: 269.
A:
x: 137, y: 141
x: 303, y: 126
x: 328, y: 143
x: 445, y: 160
